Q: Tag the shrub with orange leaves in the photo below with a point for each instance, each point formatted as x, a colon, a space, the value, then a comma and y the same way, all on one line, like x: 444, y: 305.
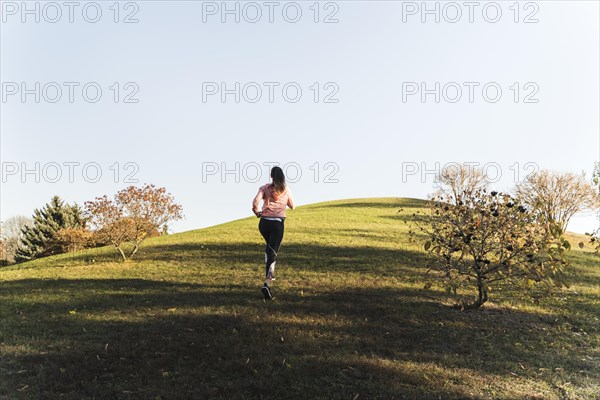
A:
x: 134, y: 214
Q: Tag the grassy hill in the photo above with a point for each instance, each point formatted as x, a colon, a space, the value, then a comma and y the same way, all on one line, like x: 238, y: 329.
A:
x: 350, y: 320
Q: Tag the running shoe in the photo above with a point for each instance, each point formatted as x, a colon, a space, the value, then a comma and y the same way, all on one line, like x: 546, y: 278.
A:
x: 267, y: 292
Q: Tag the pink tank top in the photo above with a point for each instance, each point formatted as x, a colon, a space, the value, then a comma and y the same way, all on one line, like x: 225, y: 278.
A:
x: 274, y: 204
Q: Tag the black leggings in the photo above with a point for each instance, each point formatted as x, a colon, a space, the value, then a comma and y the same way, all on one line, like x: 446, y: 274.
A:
x: 272, y: 231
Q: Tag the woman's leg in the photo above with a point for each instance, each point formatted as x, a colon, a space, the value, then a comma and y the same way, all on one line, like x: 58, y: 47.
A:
x: 272, y: 232
x: 272, y: 248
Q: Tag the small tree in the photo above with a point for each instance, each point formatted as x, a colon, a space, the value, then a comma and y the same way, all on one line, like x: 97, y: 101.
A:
x: 490, y: 239
x: 132, y: 216
x: 3, y: 250
x: 557, y: 197
x: 595, y: 236
x: 12, y: 235
x: 454, y: 180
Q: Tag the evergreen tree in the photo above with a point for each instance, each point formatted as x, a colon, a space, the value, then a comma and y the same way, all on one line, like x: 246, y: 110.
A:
x: 38, y: 240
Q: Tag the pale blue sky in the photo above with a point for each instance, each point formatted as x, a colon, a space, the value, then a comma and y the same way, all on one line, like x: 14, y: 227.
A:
x: 369, y: 133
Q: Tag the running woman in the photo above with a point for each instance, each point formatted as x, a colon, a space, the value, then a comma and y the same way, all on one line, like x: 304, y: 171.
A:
x: 275, y: 197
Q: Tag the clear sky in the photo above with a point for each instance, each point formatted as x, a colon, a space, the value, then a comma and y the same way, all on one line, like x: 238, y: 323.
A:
x: 349, y: 101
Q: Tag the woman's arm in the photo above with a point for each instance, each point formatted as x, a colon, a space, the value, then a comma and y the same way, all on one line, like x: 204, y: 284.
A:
x: 290, y: 202
x: 256, y: 202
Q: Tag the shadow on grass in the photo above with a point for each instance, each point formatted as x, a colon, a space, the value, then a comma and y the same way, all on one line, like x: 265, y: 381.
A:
x: 90, y: 256
x: 302, y: 256
x: 134, y: 338
x: 370, y: 234
x: 582, y: 275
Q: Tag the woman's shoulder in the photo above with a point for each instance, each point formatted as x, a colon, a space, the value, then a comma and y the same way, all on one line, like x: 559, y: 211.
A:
x: 266, y: 186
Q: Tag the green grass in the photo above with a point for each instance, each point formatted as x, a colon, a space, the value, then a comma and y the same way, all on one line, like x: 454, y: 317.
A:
x: 186, y: 320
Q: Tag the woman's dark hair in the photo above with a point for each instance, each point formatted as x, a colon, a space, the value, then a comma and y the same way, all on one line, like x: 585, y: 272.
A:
x: 278, y: 179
